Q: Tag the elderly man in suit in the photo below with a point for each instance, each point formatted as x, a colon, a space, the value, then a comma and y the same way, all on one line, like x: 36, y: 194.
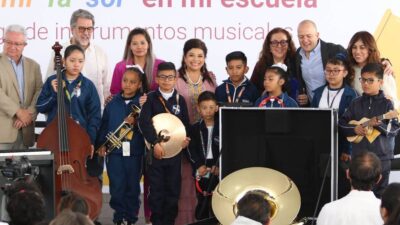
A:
x: 20, y: 84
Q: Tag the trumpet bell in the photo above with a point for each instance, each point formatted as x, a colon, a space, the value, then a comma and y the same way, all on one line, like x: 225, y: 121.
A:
x: 172, y: 131
x: 282, y: 194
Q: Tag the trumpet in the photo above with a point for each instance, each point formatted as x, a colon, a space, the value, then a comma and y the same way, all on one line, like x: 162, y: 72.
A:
x: 114, y: 139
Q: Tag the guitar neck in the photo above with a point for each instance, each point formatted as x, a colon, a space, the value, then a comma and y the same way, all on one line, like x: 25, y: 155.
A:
x: 380, y: 117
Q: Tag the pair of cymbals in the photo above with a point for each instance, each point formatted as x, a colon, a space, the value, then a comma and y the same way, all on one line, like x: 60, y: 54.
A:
x: 171, y: 132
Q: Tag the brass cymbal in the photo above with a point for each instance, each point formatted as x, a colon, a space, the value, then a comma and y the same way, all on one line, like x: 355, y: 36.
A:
x: 283, y: 195
x: 173, y: 131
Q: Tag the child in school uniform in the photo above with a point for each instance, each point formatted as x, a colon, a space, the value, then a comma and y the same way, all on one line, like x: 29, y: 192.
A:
x: 237, y: 88
x: 338, y: 94
x: 124, y: 164
x: 204, y: 152
x: 371, y: 105
x: 275, y: 84
x: 81, y: 97
x: 164, y: 173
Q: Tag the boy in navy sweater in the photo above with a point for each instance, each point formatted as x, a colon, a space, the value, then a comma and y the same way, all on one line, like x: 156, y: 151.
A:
x: 164, y: 173
x: 237, y: 88
x: 124, y: 164
x: 372, y: 104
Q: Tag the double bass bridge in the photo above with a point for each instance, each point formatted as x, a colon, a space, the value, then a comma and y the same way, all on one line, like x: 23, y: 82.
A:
x: 65, y: 169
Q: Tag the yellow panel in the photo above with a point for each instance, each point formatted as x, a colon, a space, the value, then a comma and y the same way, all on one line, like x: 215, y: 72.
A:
x: 387, y: 35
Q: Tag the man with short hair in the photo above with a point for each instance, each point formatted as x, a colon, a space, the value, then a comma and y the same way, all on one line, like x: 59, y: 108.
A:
x: 253, y: 209
x: 20, y: 84
x: 311, y: 58
x: 96, y: 62
x: 360, y: 206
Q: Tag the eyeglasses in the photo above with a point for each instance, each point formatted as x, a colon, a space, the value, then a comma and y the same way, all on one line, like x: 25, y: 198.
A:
x: 333, y: 72
x: 16, y: 44
x: 283, y: 43
x: 166, y: 78
x: 367, y: 80
x: 83, y: 29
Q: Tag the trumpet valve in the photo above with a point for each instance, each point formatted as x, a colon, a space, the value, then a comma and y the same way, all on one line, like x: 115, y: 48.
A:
x: 113, y: 141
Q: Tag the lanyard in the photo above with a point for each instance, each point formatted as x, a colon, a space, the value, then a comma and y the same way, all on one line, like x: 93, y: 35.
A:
x: 334, y: 97
x: 177, y: 110
x: 77, y: 89
x: 229, y: 95
x: 205, y: 151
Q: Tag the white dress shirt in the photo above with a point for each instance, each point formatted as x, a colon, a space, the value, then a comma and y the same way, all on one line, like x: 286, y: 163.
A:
x: 241, y: 220
x: 356, y: 208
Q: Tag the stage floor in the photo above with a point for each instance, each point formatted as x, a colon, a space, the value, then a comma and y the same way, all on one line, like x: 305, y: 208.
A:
x: 106, y: 214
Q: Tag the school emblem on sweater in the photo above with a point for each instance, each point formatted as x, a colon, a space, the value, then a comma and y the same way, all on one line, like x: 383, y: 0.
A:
x: 176, y: 109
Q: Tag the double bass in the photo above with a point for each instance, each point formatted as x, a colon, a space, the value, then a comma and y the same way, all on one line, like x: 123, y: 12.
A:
x: 71, y: 147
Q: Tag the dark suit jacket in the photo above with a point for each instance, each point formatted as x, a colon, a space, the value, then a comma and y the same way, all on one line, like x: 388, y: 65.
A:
x: 10, y: 101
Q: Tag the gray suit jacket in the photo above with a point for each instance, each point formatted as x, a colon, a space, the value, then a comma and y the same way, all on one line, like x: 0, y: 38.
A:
x: 10, y: 101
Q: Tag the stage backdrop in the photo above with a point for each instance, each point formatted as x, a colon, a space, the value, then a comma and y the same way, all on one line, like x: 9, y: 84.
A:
x: 224, y: 25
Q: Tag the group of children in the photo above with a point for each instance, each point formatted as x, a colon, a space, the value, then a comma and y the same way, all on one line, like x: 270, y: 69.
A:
x: 124, y: 165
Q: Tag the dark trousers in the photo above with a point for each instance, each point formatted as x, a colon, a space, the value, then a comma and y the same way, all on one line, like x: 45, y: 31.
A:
x: 165, y: 186
x: 203, y: 208
x: 383, y: 183
x: 343, y: 182
x: 124, y: 173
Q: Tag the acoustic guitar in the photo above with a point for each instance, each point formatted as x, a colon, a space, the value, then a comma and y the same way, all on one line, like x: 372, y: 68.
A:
x: 372, y: 133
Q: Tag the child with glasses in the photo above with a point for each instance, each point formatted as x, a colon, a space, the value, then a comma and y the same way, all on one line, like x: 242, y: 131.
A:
x: 338, y: 94
x: 164, y: 174
x: 363, y: 49
x: 377, y: 132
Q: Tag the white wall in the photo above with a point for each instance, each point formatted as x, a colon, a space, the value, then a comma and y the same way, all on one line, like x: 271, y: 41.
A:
x: 245, y: 27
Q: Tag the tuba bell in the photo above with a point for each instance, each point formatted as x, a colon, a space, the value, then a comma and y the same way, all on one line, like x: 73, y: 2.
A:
x: 114, y: 139
x: 282, y: 194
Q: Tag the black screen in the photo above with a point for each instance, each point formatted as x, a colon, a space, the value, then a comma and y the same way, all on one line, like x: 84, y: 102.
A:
x: 296, y: 142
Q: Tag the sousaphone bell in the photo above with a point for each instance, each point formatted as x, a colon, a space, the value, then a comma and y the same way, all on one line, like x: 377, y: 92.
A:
x: 171, y: 133
x: 282, y: 194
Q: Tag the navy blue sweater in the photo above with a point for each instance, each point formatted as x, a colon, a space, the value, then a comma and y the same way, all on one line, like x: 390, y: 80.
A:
x: 84, y: 106
x: 370, y: 106
x: 348, y: 95
x: 249, y: 94
x: 198, y: 145
x: 114, y: 114
x: 154, y: 106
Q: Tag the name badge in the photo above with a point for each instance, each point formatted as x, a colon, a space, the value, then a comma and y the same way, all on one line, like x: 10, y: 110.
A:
x: 126, y: 148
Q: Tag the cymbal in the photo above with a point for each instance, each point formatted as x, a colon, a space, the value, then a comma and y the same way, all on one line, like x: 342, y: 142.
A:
x: 172, y: 129
x: 283, y: 194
